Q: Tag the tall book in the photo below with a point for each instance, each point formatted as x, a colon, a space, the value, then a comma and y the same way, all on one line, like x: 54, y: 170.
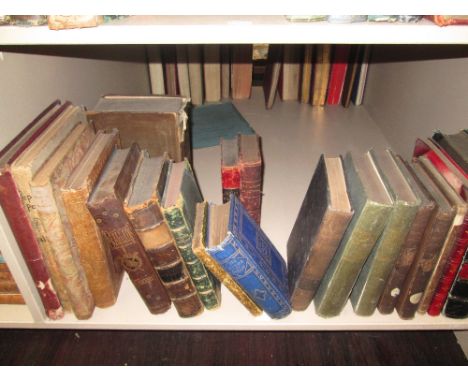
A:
x: 103, y: 273
x: 456, y: 146
x: 429, y: 247
x: 241, y: 71
x: 225, y: 53
x: 27, y: 165
x: 351, y: 74
x: 376, y: 270
x: 183, y: 71
x: 156, y: 70
x: 199, y: 244
x: 372, y: 206
x: 157, y: 124
x: 320, y: 225
x: 195, y: 69
x: 450, y: 257
x: 359, y: 86
x: 243, y: 250
x: 181, y: 194
x: 321, y: 74
x: 410, y: 247
x: 272, y: 74
x: 106, y: 205
x: 17, y: 214
x: 142, y: 206
x: 212, y: 72
x: 230, y: 171
x: 306, y: 77
x: 337, y: 74
x: 47, y: 198
x: 290, y: 72
x: 169, y: 59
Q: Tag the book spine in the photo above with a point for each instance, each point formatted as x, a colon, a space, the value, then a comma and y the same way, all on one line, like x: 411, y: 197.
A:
x: 236, y: 261
x: 207, y: 291
x: 337, y: 74
x: 251, y: 188
x: 128, y: 251
x: 241, y: 71
x: 307, y: 68
x: 230, y: 180
x: 456, y: 305
x: 212, y: 72
x: 156, y: 237
x: 10, y: 201
x: 195, y: 74
x: 450, y: 272
x: 406, y: 257
x: 326, y: 65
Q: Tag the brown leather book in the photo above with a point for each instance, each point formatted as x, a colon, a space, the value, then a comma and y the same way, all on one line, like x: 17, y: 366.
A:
x: 412, y: 242
x: 241, y: 71
x: 322, y: 220
x: 251, y: 171
x: 143, y: 210
x: 158, y: 124
x: 103, y: 274
x: 106, y: 206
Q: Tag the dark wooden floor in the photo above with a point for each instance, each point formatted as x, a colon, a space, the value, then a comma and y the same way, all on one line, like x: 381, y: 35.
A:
x: 82, y: 347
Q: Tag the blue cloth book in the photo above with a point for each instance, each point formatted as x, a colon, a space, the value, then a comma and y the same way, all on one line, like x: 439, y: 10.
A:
x: 240, y: 246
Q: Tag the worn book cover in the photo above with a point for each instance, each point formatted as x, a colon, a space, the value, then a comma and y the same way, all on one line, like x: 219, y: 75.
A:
x: 46, y: 196
x: 199, y: 244
x: 158, y: 124
x: 320, y: 225
x: 289, y: 85
x: 17, y: 214
x: 181, y: 194
x: 169, y: 59
x: 372, y: 206
x: 212, y: 72
x: 195, y: 68
x: 374, y: 274
x: 243, y: 250
x: 104, y: 275
x: 106, y: 205
x: 142, y: 206
x: 272, y: 74
x: 241, y: 71
x: 230, y: 171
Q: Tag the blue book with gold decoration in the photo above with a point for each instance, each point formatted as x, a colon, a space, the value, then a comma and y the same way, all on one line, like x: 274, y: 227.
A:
x: 240, y: 246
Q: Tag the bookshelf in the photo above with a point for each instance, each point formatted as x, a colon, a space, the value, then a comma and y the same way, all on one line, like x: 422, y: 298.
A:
x: 405, y: 98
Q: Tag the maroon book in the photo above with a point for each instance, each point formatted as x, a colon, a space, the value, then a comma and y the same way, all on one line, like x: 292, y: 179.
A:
x: 17, y: 217
x: 230, y: 171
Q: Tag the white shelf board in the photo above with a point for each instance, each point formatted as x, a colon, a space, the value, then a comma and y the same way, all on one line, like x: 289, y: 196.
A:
x: 293, y: 135
x: 235, y: 29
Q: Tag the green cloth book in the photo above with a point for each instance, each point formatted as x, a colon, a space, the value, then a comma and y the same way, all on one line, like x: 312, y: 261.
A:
x: 181, y: 194
x: 378, y: 266
x: 372, y: 206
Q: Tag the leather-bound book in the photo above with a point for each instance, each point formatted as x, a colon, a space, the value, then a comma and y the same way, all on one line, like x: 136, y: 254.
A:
x: 47, y: 198
x: 456, y: 146
x: 104, y: 275
x: 372, y: 206
x: 106, y: 205
x: 321, y: 74
x: 169, y: 60
x: 158, y: 124
x: 306, y: 76
x: 143, y: 210
x: 337, y: 74
x: 410, y: 247
x: 320, y: 225
x: 272, y: 74
x: 181, y: 194
x: 230, y: 171
x: 199, y: 244
x: 429, y: 247
x: 251, y: 172
x: 26, y: 166
x: 241, y: 71
x: 17, y: 214
x: 195, y: 68
x: 290, y: 72
x: 212, y: 72
x: 374, y: 274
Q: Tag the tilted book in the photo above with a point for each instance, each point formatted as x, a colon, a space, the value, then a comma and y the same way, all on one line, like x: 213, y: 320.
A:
x: 351, y: 74
x: 272, y: 74
x: 456, y: 146
x: 199, y: 244
x: 106, y: 205
x: 195, y: 68
x: 181, y: 194
x: 456, y: 305
x: 142, y: 206
x: 241, y: 71
x: 409, y: 249
x: 244, y: 251
x: 45, y: 191
x: 183, y: 78
x: 320, y: 225
x: 158, y: 124
x: 374, y: 274
x: 104, y: 275
x: 372, y: 206
x: 17, y: 214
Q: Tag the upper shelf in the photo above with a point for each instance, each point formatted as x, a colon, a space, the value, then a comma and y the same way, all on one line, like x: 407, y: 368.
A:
x: 235, y: 29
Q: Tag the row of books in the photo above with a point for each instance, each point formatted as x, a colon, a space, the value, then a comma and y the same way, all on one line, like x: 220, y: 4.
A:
x: 385, y: 234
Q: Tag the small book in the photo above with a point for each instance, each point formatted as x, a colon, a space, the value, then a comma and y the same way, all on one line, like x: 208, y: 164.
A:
x: 183, y: 78
x: 337, y: 74
x: 106, y: 205
x: 372, y: 206
x: 212, y: 72
x: 158, y: 124
x: 195, y: 69
x: 290, y: 72
x: 272, y: 74
x: 103, y: 273
x: 374, y: 274
x: 230, y: 171
x: 47, y: 198
x: 406, y: 257
x: 181, y: 194
x: 16, y: 212
x: 320, y: 225
x: 456, y: 146
x: 143, y: 210
x: 199, y: 244
x: 155, y: 68
x: 243, y: 250
x: 241, y: 71
x: 306, y: 77
x: 321, y: 74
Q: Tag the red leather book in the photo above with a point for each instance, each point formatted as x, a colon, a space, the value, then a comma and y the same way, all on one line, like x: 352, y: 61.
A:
x: 230, y: 171
x: 338, y: 74
x: 10, y: 200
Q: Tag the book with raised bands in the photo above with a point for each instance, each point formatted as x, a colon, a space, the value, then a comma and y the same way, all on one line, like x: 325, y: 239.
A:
x: 320, y: 224
x: 106, y: 206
